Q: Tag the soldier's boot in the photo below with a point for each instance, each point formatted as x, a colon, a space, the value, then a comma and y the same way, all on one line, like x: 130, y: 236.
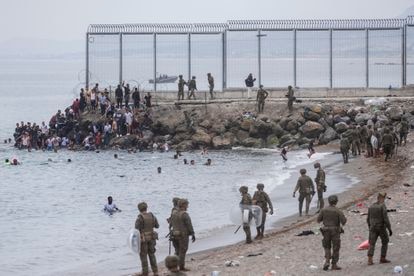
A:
x: 326, y: 264
x: 384, y: 260
x: 370, y: 261
x: 258, y: 233
x: 336, y: 267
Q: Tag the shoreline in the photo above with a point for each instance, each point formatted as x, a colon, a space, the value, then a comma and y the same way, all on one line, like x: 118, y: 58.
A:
x: 365, y: 190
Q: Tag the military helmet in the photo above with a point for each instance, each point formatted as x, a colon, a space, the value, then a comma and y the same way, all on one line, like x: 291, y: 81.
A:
x: 382, y: 194
x: 260, y: 186
x: 175, y: 200
x: 180, y: 76
x: 302, y: 171
x: 171, y: 261
x: 333, y: 199
x: 317, y: 165
x: 182, y: 202
x: 243, y: 189
x: 142, y: 206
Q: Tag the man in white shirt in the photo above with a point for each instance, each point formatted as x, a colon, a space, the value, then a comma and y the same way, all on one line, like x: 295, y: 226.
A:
x: 128, y: 120
x: 110, y: 207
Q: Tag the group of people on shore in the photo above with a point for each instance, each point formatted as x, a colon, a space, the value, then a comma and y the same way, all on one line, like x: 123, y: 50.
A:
x: 192, y: 87
x: 374, y: 139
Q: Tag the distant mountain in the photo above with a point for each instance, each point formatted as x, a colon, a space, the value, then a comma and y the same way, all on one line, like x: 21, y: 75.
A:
x: 41, y: 48
x: 407, y: 12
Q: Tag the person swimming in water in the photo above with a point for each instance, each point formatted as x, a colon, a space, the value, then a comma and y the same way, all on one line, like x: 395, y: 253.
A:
x: 208, y: 163
x: 111, y: 207
x: 284, y: 154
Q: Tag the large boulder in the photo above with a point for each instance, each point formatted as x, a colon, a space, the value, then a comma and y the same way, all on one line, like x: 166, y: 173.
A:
x: 161, y: 128
x: 246, y: 124
x: 125, y: 142
x: 329, y: 120
x: 394, y: 113
x: 205, y: 124
x: 303, y: 140
x: 341, y: 127
x: 285, y: 138
x: 252, y: 142
x: 260, y: 129
x: 310, y: 115
x: 218, y: 128
x: 288, y: 143
x: 317, y: 108
x: 292, y: 125
x: 283, y: 122
x: 221, y: 142
x: 362, y: 118
x: 242, y: 135
x: 181, y: 136
x: 201, y: 138
x: 329, y: 135
x: 147, y: 136
x: 272, y: 141
x: 311, y: 129
x: 185, y: 145
x: 338, y: 110
x: 277, y: 130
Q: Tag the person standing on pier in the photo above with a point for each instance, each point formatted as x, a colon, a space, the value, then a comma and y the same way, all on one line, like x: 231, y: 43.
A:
x: 210, y: 80
x: 119, y: 95
x: 191, y: 87
x: 291, y: 97
x: 136, y: 97
x: 261, y: 97
x: 181, y: 83
x: 249, y: 84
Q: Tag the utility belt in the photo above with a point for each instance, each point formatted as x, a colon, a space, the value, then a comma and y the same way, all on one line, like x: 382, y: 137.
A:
x: 339, y: 229
x: 149, y: 236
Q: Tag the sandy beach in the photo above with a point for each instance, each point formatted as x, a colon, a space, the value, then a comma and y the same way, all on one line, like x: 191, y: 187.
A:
x: 281, y: 252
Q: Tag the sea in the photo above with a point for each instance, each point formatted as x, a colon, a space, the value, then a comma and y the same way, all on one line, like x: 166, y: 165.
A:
x: 52, y: 220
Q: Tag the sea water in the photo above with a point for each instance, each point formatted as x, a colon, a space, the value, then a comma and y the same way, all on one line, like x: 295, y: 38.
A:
x: 52, y: 219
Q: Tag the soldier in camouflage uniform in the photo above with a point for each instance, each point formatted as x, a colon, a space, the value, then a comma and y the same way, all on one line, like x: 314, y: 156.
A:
x: 191, y: 87
x: 210, y: 80
x: 320, y: 184
x: 173, y: 210
x: 344, y: 145
x: 332, y: 219
x: 387, y: 143
x: 355, y: 140
x: 370, y: 150
x: 145, y: 224
x: 395, y: 139
x: 261, y: 97
x: 306, y: 191
x: 182, y: 228
x: 246, y: 201
x: 363, y: 133
x: 171, y: 263
x: 261, y: 199
x: 291, y: 97
x: 378, y: 224
x: 403, y: 130
x: 181, y: 83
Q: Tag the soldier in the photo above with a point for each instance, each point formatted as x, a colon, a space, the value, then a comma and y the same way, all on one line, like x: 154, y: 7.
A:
x: 261, y: 199
x: 182, y: 228
x: 181, y: 83
x: 246, y: 201
x: 344, y: 145
x: 332, y: 219
x: 370, y: 150
x: 191, y: 87
x: 403, y: 130
x: 171, y: 263
x: 290, y: 97
x: 363, y: 134
x: 261, y: 97
x: 387, y: 143
x: 306, y: 190
x: 145, y: 224
x: 356, y: 141
x: 395, y: 141
x: 210, y: 80
x: 320, y: 185
x: 378, y: 222
x: 174, y: 210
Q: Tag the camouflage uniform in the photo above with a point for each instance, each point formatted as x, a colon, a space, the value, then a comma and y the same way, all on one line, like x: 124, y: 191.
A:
x: 356, y: 144
x: 191, y: 87
x: 246, y: 200
x: 403, y: 131
x: 363, y: 133
x: 344, y: 144
x: 261, y: 97
x: 387, y: 143
x: 174, y: 210
x: 261, y: 199
x: 378, y: 222
x: 320, y: 185
x: 181, y: 83
x: 182, y: 228
x: 332, y: 219
x: 210, y: 80
x: 145, y: 224
x: 370, y: 150
x: 290, y: 97
x: 306, y: 190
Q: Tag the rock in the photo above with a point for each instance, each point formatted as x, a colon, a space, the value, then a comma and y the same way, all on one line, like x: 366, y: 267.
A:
x: 362, y: 118
x: 285, y: 138
x: 283, y: 122
x: 185, y: 145
x: 310, y: 115
x: 292, y: 125
x: 347, y: 133
x: 394, y: 113
x: 302, y: 141
x: 201, y: 138
x: 288, y: 143
x: 260, y: 129
x: 205, y: 124
x: 328, y: 136
x: 338, y: 110
x: 218, y: 128
x: 252, y: 142
x: 242, y: 135
x: 277, y: 130
x: 246, y: 124
x: 124, y: 142
x: 323, y: 123
x: 337, y: 119
x: 263, y: 118
x: 346, y: 119
x: 329, y: 120
x: 311, y: 129
x: 179, y: 137
x: 352, y: 112
x: 272, y: 141
x: 220, y: 142
x: 341, y: 127
x: 181, y: 128
x: 317, y: 108
x: 160, y: 128
x: 147, y: 136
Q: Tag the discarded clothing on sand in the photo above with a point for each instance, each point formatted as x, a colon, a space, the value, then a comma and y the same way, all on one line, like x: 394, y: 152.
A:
x: 254, y: 254
x: 306, y: 233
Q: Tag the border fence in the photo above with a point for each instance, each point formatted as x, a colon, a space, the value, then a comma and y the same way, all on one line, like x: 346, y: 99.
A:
x: 377, y: 53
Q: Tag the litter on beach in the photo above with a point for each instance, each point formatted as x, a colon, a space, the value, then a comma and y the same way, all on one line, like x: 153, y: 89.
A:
x: 398, y: 270
x: 254, y: 254
x: 306, y: 233
x: 313, y: 267
x: 232, y: 263
x: 364, y: 245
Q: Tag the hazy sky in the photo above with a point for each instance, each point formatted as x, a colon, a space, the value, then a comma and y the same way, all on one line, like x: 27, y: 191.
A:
x: 68, y: 19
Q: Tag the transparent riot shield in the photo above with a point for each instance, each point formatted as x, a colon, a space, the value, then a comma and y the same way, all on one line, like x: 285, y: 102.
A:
x: 247, y: 214
x: 134, y: 240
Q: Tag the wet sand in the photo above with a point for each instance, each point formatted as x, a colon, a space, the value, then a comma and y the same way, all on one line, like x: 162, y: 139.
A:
x: 286, y: 254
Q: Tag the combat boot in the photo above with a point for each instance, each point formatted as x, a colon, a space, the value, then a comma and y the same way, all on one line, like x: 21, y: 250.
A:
x: 335, y: 267
x: 258, y: 234
x: 184, y: 268
x: 326, y: 264
x: 384, y: 260
x: 370, y: 261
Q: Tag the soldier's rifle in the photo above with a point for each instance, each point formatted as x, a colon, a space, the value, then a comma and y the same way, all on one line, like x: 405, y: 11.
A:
x: 237, y: 229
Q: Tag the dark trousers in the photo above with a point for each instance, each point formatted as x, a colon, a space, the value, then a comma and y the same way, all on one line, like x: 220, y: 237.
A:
x: 302, y: 197
x: 373, y: 236
x: 148, y: 249
x: 119, y: 102
x: 331, y: 240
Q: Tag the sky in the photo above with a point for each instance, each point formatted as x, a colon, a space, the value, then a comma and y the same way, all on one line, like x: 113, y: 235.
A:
x: 69, y: 19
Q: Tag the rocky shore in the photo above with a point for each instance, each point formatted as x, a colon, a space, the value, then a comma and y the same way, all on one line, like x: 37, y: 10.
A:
x: 226, y: 124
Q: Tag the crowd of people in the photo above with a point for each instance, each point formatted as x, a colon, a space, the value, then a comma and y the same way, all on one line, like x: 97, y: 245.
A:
x: 119, y: 118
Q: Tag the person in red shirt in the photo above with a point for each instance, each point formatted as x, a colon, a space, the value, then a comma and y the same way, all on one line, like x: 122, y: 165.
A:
x: 98, y: 140
x: 75, y: 107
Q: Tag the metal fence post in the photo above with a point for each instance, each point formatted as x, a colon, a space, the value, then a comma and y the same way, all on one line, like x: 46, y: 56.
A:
x: 330, y: 60
x: 155, y: 60
x: 189, y: 56
x: 224, y: 59
x: 259, y: 55
x: 366, y: 58
x: 87, y: 63
x: 404, y: 56
x: 294, y: 58
x: 120, y: 58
